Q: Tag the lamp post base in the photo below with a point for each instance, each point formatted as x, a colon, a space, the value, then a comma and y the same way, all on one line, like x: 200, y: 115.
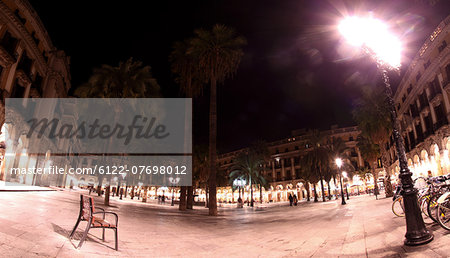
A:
x: 425, y: 239
x: 416, y: 232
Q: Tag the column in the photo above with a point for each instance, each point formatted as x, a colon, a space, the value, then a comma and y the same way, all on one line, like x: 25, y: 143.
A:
x: 422, y: 123
x: 444, y: 93
x: 360, y: 160
x: 283, y: 172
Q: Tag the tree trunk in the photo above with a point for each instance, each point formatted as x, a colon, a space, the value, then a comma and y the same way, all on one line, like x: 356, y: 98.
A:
x: 118, y: 188
x: 206, y: 197
x: 322, y: 186
x: 375, y: 179
x: 260, y: 194
x: 132, y: 192
x: 329, y: 189
x: 212, y: 147
x: 251, y: 194
x: 107, y: 191
x: 315, y: 194
x: 324, y: 197
x: 99, y: 186
x: 182, y: 204
x: 308, y: 195
x: 144, y: 198
x: 190, y: 197
x: 388, y: 186
x: 334, y: 182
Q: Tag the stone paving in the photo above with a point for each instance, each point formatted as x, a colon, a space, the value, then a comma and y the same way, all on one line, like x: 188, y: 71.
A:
x: 36, y: 224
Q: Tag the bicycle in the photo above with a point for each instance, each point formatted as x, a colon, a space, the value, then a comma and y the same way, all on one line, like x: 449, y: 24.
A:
x: 439, y: 187
x: 398, y: 207
x: 443, y: 206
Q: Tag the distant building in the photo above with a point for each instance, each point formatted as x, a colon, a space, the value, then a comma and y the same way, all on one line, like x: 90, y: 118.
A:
x: 30, y: 66
x: 423, y: 106
x: 283, y: 169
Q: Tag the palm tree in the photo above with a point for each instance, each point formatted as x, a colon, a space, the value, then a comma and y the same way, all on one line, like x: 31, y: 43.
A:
x: 309, y: 175
x: 370, y: 152
x: 218, y: 53
x: 128, y: 80
x: 318, y: 157
x: 185, y: 67
x: 248, y: 166
x: 363, y: 173
x: 372, y: 115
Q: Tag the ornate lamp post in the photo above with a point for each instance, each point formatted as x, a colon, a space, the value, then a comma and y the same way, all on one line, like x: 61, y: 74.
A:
x: 346, y: 184
x: 173, y: 181
x: 374, y: 38
x: 339, y: 164
x: 121, y: 191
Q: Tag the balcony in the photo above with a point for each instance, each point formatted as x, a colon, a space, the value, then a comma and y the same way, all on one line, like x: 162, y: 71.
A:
x: 446, y: 85
x: 435, y: 92
x: 24, y: 70
x: 22, y: 78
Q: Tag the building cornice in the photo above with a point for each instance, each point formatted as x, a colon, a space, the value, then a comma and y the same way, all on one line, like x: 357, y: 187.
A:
x: 429, y: 43
x: 17, y: 26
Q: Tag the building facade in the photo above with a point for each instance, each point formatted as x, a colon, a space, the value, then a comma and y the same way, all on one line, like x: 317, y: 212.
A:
x: 30, y: 67
x: 283, y: 169
x: 423, y: 106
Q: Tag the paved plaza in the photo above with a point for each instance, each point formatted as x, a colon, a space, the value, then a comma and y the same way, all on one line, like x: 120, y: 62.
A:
x: 36, y: 224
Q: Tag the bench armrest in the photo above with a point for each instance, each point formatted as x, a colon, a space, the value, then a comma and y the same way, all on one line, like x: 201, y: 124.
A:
x: 108, y: 212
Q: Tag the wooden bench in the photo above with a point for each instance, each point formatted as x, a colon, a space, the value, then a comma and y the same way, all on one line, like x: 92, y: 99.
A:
x: 88, y: 213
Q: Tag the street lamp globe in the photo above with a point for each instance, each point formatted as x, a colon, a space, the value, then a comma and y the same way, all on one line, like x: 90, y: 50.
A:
x: 374, y: 37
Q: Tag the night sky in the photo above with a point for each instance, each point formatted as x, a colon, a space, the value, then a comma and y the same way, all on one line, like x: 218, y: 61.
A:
x: 296, y: 71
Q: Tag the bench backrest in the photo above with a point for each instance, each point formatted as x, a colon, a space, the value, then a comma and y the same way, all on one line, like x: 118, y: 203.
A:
x: 86, y: 207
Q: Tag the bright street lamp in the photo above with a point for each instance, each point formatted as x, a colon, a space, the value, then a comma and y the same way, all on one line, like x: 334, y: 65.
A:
x: 373, y: 36
x: 339, y: 164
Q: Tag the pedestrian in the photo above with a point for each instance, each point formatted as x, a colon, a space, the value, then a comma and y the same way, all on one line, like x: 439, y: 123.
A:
x: 295, y: 200
x: 291, y: 200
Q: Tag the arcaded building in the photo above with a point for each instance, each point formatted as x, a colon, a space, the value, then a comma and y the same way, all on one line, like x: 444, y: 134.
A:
x: 423, y: 106
x: 30, y: 65
x: 283, y: 169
